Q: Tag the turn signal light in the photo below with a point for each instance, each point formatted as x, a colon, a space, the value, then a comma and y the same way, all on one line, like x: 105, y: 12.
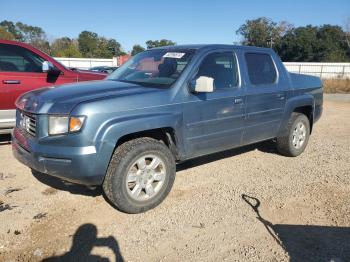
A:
x: 76, y: 123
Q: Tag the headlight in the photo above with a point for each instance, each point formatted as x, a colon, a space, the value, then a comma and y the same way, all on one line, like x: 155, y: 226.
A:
x: 59, y: 125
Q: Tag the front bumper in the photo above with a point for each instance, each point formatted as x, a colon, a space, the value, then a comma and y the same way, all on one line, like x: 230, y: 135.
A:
x: 74, y: 164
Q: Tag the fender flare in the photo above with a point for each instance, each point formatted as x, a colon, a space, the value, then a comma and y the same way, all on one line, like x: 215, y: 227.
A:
x: 291, y: 105
x: 108, y: 135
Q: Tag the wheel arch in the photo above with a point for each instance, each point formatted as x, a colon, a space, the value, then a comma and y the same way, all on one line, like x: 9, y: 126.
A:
x: 165, y: 134
x: 303, y: 104
x: 165, y: 127
x: 308, y: 112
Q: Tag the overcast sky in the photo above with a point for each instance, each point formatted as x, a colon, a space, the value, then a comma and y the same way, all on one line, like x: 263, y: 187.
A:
x: 134, y: 22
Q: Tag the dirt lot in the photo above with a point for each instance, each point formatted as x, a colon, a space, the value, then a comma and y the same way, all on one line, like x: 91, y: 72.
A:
x: 299, y: 208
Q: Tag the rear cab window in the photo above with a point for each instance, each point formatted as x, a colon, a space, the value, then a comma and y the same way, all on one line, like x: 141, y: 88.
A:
x: 261, y: 68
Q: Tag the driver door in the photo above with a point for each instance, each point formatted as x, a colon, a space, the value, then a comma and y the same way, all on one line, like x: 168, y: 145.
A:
x: 215, y: 121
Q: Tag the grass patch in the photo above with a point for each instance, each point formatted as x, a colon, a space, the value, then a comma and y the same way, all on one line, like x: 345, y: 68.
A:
x: 336, y: 86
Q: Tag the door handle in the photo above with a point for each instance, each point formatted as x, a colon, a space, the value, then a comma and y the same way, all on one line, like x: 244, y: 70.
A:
x: 238, y: 101
x: 280, y: 96
x: 11, y: 82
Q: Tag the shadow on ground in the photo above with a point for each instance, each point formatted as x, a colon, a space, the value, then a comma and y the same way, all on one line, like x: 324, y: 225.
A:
x: 307, y: 242
x: 5, y: 139
x: 84, y: 240
x: 266, y: 147
x: 59, y: 184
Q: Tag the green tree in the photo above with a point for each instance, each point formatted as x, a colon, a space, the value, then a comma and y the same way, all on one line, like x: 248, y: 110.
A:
x: 42, y: 45
x: 92, y: 45
x: 157, y: 43
x: 65, y: 47
x: 60, y: 44
x: 4, y: 34
x: 332, y: 44
x: 30, y: 33
x: 261, y: 32
x: 34, y: 35
x: 108, y: 48
x: 26, y: 33
x: 347, y: 35
x: 71, y: 51
x: 347, y: 31
x: 103, y: 51
x: 299, y: 45
x: 137, y: 49
x: 326, y: 43
x: 114, y: 47
x: 88, y: 43
x: 11, y: 28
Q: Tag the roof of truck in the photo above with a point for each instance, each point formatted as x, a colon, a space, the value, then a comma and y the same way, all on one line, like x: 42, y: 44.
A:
x: 212, y: 46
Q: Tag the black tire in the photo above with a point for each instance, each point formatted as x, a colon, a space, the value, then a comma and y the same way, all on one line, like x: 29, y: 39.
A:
x: 285, y: 143
x: 114, y: 185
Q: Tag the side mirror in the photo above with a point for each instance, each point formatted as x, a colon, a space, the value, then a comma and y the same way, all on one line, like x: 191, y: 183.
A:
x: 48, y: 67
x: 202, y: 84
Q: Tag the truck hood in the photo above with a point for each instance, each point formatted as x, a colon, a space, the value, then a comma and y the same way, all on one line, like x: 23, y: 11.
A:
x: 62, y: 99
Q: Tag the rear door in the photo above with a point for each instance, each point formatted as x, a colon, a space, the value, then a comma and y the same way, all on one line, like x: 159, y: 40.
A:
x: 265, y: 97
x: 214, y: 121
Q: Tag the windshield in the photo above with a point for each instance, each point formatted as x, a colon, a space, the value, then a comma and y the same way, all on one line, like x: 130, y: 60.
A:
x: 158, y: 67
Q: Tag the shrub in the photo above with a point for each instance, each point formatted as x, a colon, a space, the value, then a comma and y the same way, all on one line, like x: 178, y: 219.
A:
x: 336, y: 85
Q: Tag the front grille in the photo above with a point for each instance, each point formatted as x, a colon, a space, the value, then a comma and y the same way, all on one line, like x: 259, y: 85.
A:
x: 28, y: 123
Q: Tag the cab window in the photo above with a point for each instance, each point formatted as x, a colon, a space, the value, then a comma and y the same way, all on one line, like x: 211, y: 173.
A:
x: 222, y: 67
x: 18, y: 59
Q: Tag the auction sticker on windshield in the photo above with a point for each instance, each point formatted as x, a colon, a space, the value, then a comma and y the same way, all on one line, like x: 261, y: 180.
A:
x: 174, y: 55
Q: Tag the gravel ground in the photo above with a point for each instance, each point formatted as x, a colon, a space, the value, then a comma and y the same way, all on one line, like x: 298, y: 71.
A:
x: 249, y: 204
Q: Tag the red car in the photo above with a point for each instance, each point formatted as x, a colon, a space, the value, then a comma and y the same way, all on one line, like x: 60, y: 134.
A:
x: 24, y: 68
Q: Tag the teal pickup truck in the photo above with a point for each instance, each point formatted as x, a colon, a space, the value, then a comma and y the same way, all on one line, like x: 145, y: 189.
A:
x: 164, y: 106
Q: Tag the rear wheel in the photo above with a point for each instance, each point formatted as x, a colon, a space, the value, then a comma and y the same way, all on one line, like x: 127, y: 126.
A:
x: 294, y: 142
x: 140, y: 175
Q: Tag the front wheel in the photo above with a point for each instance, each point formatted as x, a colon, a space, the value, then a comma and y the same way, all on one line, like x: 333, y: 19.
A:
x: 140, y: 175
x: 294, y: 142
